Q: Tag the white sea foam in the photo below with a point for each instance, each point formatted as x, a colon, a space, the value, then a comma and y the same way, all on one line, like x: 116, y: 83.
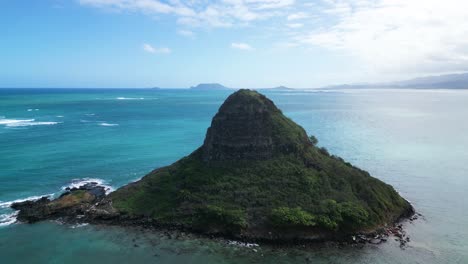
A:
x: 242, y: 244
x: 13, y: 121
x: 8, y: 219
x: 92, y: 114
x: 24, y: 122
x: 33, y: 198
x: 130, y: 98
x: 78, y: 225
x: 59, y: 116
x: 107, y: 124
x: 77, y: 183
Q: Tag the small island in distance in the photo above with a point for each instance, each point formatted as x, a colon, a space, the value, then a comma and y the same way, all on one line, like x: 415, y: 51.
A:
x: 209, y: 87
x: 257, y: 176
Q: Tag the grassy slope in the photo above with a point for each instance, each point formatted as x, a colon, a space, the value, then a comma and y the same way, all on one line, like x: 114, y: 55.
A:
x: 230, y: 197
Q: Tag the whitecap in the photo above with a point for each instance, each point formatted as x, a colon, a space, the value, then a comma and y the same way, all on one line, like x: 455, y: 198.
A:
x: 77, y: 183
x: 13, y: 121
x: 78, y: 225
x: 8, y: 219
x: 92, y: 114
x: 24, y: 122
x: 242, y: 244
x: 59, y: 116
x: 31, y: 198
x: 130, y: 98
x: 107, y: 124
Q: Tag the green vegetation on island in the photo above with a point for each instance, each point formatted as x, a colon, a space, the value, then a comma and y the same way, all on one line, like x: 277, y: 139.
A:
x: 259, y: 175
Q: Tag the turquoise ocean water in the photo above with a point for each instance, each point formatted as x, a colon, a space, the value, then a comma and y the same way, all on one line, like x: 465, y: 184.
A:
x: 50, y: 139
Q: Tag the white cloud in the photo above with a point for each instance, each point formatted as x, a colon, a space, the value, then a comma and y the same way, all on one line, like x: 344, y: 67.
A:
x: 150, y: 49
x: 405, y: 36
x: 295, y: 25
x: 186, y: 33
x: 296, y: 16
x: 241, y: 46
x: 219, y: 13
x: 146, y: 6
x: 384, y: 36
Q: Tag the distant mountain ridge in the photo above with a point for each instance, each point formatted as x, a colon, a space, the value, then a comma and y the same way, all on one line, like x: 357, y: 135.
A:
x: 278, y: 88
x: 447, y: 81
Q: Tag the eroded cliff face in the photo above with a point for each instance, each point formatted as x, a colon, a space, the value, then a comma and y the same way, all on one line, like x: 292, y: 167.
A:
x: 249, y: 126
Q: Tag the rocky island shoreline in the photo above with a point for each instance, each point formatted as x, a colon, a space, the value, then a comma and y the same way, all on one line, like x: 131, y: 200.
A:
x: 257, y: 177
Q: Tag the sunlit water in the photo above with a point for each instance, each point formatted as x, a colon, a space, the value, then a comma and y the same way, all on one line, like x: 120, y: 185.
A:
x: 49, y: 139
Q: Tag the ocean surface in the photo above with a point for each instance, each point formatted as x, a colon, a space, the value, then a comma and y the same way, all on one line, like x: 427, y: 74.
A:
x: 416, y: 140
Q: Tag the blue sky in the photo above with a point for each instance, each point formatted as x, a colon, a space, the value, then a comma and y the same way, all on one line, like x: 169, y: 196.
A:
x: 239, y: 43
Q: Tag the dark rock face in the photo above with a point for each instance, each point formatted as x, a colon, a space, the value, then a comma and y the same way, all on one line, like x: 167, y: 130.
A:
x: 92, y: 187
x: 250, y: 126
x: 32, y: 211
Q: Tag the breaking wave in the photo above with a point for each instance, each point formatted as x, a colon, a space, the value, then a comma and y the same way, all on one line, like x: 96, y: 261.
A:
x: 32, y: 198
x: 24, y: 122
x: 77, y: 183
x: 107, y: 124
x: 130, y: 98
x: 8, y: 219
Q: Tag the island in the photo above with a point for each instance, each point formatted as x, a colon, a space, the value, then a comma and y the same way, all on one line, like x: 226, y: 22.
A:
x: 257, y: 176
x: 209, y: 87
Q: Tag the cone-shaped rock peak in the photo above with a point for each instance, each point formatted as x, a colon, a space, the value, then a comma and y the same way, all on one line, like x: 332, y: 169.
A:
x: 249, y: 126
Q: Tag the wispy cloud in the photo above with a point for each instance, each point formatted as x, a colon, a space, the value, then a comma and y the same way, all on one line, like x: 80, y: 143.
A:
x: 154, y: 50
x: 298, y: 15
x: 295, y: 25
x: 386, y: 36
x: 417, y: 36
x: 219, y: 13
x: 241, y: 46
x: 146, y: 6
x: 186, y: 33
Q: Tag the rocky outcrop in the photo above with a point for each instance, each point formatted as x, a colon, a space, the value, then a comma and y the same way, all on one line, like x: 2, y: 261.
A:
x: 86, y: 201
x: 249, y: 126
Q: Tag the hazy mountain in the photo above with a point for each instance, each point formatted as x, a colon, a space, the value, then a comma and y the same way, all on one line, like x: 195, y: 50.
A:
x: 448, y: 81
x: 278, y: 88
x: 209, y: 86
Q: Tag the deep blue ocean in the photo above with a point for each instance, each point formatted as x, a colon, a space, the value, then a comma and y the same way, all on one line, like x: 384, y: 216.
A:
x: 416, y: 140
